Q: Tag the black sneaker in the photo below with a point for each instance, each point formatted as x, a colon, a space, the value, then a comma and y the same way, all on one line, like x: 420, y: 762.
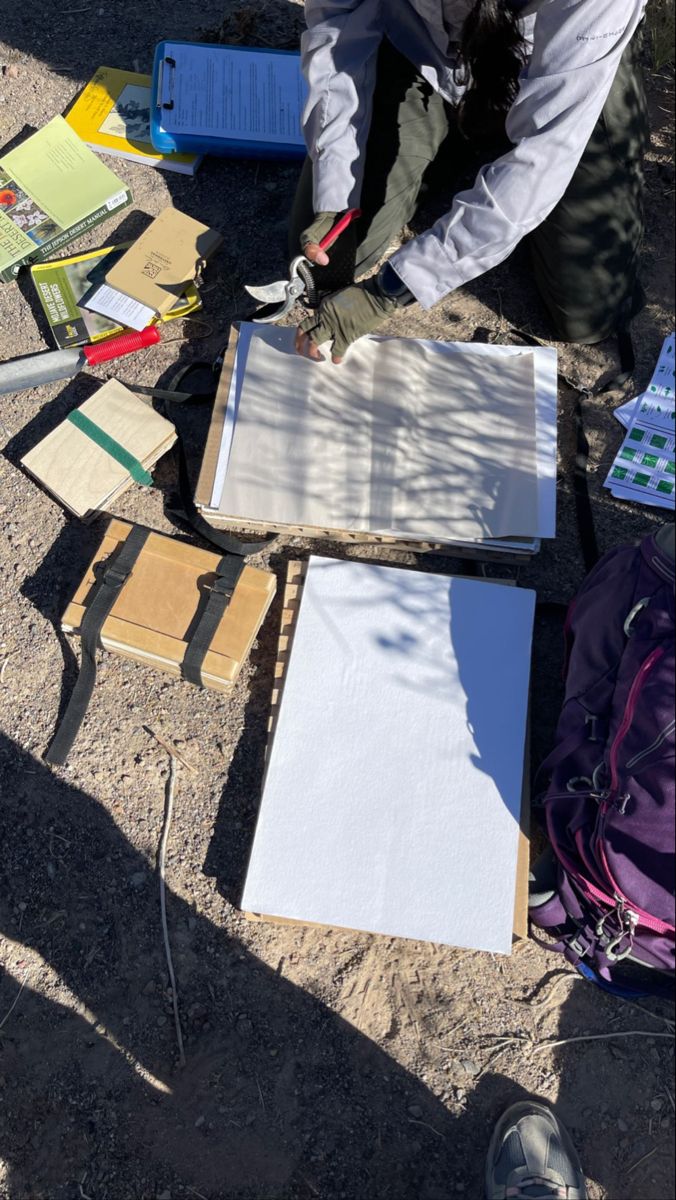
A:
x: 531, y: 1157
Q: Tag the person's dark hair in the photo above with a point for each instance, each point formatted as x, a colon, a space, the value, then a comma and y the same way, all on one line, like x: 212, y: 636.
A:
x: 492, y: 54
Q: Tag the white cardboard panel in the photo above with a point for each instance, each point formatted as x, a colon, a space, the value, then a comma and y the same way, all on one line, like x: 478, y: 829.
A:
x: 393, y: 792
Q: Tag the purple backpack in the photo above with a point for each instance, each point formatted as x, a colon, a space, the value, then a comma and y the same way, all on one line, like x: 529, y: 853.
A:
x: 609, y: 806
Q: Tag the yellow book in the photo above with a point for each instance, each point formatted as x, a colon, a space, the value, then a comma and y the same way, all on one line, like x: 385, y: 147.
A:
x: 112, y: 115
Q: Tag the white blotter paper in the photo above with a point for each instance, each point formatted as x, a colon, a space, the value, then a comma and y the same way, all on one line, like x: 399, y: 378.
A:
x: 393, y: 791
x: 545, y: 366
x: 402, y: 438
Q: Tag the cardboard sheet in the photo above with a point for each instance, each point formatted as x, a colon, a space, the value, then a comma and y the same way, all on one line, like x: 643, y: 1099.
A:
x: 412, y: 690
x: 406, y: 437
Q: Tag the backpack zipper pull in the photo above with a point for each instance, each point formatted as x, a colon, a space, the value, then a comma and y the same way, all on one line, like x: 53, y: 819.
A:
x: 628, y: 922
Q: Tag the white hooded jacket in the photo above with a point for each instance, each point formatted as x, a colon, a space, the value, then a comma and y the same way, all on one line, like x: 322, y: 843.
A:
x: 574, y: 48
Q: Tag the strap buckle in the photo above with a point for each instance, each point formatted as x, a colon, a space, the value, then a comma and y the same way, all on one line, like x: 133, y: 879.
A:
x: 115, y: 577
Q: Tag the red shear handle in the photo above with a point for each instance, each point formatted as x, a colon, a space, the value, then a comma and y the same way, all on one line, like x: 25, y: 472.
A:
x: 126, y: 343
x: 333, y: 234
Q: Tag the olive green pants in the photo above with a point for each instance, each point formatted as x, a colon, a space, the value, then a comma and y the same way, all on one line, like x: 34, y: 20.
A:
x: 584, y: 255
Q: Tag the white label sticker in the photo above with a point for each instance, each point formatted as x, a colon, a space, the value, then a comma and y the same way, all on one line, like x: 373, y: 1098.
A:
x: 116, y: 200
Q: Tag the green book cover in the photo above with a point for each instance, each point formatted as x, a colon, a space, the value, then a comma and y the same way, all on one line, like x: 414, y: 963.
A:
x: 52, y: 188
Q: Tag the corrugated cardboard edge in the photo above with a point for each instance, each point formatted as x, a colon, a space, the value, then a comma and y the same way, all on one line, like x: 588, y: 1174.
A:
x: 205, y: 483
x: 295, y: 578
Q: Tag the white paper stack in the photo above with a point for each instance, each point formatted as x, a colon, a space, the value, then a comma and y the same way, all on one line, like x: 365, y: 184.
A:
x: 412, y: 690
x: 643, y: 469
x: 444, y: 442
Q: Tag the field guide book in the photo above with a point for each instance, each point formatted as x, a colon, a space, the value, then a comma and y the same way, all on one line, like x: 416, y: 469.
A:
x: 60, y: 286
x: 52, y: 190
x: 112, y: 115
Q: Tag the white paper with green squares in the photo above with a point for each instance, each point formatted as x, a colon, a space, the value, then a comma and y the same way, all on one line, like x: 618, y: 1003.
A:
x: 643, y: 469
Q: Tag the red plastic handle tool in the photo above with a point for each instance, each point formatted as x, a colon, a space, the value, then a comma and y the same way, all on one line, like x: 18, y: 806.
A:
x: 333, y: 234
x: 126, y: 343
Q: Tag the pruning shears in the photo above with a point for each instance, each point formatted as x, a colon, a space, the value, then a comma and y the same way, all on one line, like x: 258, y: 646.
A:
x: 285, y: 292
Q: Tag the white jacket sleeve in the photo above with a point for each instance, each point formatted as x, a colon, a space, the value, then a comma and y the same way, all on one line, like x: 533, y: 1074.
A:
x: 339, y: 52
x: 576, y: 51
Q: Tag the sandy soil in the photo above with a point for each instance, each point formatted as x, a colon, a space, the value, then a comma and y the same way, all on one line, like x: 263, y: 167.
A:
x: 320, y: 1063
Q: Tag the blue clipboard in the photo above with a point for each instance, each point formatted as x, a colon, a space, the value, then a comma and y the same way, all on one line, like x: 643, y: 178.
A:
x: 167, y: 119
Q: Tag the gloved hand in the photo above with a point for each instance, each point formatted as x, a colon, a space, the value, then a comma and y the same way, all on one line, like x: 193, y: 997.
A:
x: 342, y: 318
x: 312, y: 236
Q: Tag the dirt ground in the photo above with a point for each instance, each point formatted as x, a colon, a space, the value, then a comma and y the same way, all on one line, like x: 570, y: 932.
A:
x: 320, y: 1063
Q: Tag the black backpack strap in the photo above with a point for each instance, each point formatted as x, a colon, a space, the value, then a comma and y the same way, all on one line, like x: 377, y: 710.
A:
x: 114, y: 574
x: 228, y: 572
x: 184, y: 508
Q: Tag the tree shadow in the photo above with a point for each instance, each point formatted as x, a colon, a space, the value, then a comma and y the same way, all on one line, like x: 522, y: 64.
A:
x: 279, y: 1097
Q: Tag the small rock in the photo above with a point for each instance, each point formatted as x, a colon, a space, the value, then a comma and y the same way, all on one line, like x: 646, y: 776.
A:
x: 622, y: 1126
x: 665, y: 1123
x: 471, y: 1067
x: 161, y: 1020
x: 414, y: 1110
x: 166, y: 1195
x: 138, y: 879
x: 199, y: 1122
x: 12, y: 71
x: 149, y: 988
x: 657, y: 1104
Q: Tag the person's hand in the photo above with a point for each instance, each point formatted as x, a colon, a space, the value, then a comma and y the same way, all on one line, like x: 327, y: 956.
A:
x: 312, y: 236
x: 342, y: 318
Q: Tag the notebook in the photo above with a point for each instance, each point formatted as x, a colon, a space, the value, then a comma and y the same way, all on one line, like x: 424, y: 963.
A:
x: 151, y: 276
x: 102, y: 447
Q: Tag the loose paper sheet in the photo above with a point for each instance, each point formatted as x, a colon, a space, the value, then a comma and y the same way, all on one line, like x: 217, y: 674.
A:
x: 644, y: 469
x: 657, y: 400
x: 220, y: 92
x: 405, y: 438
x: 411, y: 690
x: 118, y: 307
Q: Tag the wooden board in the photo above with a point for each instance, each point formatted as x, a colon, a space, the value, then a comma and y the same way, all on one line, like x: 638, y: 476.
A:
x: 80, y: 473
x: 155, y: 611
x: 295, y: 577
x: 257, y: 529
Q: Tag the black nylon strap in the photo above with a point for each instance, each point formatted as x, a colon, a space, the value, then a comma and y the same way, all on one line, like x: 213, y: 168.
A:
x: 114, y: 575
x: 186, y: 509
x: 228, y: 572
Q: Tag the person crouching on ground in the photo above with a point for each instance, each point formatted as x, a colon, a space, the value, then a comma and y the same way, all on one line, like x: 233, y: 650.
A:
x: 545, y: 95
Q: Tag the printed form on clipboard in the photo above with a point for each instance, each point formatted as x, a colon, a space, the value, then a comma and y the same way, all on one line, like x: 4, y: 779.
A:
x: 229, y: 100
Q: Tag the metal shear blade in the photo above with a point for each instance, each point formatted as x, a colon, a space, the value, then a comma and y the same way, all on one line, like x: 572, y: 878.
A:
x: 284, y: 293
